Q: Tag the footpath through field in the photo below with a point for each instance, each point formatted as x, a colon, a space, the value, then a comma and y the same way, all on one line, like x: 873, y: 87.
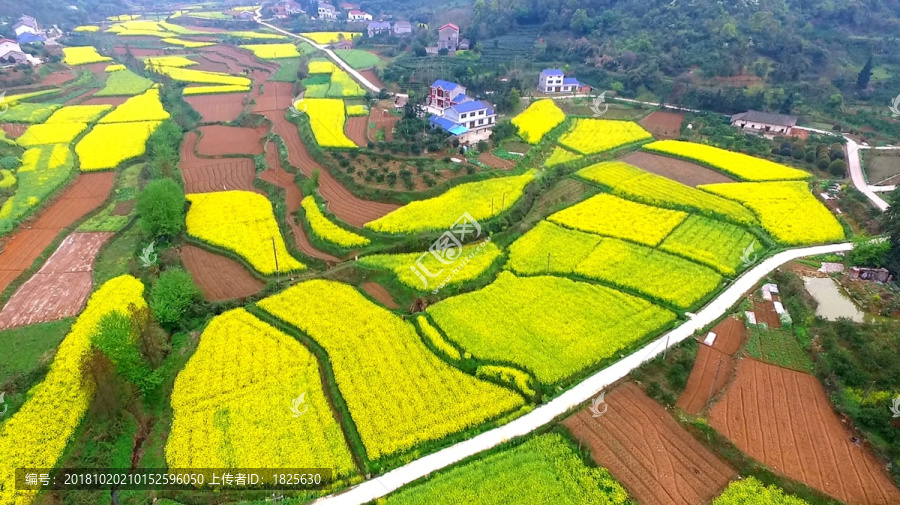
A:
x: 395, y: 479
x: 331, y: 54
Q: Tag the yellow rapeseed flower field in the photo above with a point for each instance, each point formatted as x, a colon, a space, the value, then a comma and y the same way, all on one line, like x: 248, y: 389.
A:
x: 53, y: 133
x: 326, y: 118
x: 272, y: 51
x: 787, y: 210
x: 186, y: 43
x: 714, y: 243
x: 232, y: 403
x: 108, y: 145
x: 321, y: 67
x: 473, y: 260
x: 357, y: 110
x: 549, y: 249
x: 328, y: 231
x: 38, y: 433
x: 241, y: 222
x: 539, y: 118
x: 87, y: 28
x: 592, y: 136
x: 78, y: 114
x: 168, y: 61
x: 609, y: 215
x: 551, y: 326
x: 144, y: 107
x: 399, y: 393
x: 82, y: 55
x: 559, y: 156
x: 740, y: 165
x: 208, y: 90
x: 483, y: 200
x: 114, y: 67
x: 631, y: 182
x: 202, y: 76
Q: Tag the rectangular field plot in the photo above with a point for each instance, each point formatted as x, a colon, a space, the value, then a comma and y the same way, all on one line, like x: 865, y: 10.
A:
x: 561, y: 326
x: 722, y: 246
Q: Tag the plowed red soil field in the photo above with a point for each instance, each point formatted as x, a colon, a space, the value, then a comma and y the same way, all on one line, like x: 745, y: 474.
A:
x: 783, y: 419
x: 222, y: 107
x: 383, y: 120
x: 355, y: 129
x: 730, y: 334
x: 682, y: 171
x: 219, y: 278
x: 14, y: 130
x: 765, y: 313
x: 115, y: 101
x: 276, y: 96
x: 341, y: 202
x: 225, y: 174
x: 207, y: 64
x: 370, y: 75
x: 18, y: 252
x: 378, y: 292
x: 648, y: 452
x: 52, y: 79
x: 60, y: 288
x: 663, y: 124
x: 219, y: 140
x: 495, y: 161
x: 278, y: 176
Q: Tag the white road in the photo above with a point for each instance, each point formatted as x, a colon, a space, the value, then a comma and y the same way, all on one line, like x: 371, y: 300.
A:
x: 587, y: 389
x: 854, y: 165
x: 331, y: 54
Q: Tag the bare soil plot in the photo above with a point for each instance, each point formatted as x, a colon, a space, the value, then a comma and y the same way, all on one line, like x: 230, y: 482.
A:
x: 341, y: 202
x: 682, y: 171
x: 882, y: 167
x: 383, y: 120
x: 355, y: 129
x: 783, y: 419
x: 219, y: 140
x: 220, y: 278
x: 276, y: 174
x: 765, y: 313
x: 14, y: 130
x: 663, y: 124
x: 714, y: 365
x: 370, y: 75
x: 378, y: 292
x: 115, y: 101
x: 209, y: 65
x: 225, y: 174
x: 60, y: 288
x: 648, y: 452
x: 494, y: 161
x: 218, y: 108
x: 276, y: 96
x: 18, y: 252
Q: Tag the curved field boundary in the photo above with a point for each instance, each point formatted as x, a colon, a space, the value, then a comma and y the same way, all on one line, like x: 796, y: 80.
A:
x: 276, y: 96
x: 341, y: 202
x: 685, y: 172
x: 14, y: 130
x: 663, y: 124
x: 657, y: 460
x: 355, y: 129
x: 277, y: 175
x: 378, y: 292
x: 577, y: 395
x: 218, y: 108
x: 708, y: 376
x: 219, y: 278
x: 783, y: 419
x: 21, y: 249
x: 220, y: 140
x: 61, y: 287
x: 206, y: 175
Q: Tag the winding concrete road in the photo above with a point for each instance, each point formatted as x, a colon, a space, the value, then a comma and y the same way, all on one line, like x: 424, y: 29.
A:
x: 395, y: 479
x: 331, y: 54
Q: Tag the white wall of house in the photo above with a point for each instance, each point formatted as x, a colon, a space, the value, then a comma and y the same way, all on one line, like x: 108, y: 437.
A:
x: 763, y: 127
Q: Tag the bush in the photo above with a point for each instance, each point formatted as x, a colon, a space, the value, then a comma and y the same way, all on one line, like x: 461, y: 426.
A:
x: 172, y: 296
x: 838, y: 168
x: 9, y: 162
x: 116, y: 338
x: 161, y: 208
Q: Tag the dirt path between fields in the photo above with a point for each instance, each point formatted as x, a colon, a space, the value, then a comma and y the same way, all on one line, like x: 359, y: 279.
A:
x: 714, y: 365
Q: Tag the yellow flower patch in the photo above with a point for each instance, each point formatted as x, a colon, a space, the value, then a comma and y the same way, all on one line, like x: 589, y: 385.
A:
x: 87, y: 28
x: 326, y: 118
x: 202, y: 76
x: 605, y: 214
x: 186, y: 43
x: 740, y: 165
x: 329, y: 37
x: 328, y: 231
x: 241, y: 222
x: 168, y: 61
x: 78, y: 114
x: 321, y: 67
x: 54, y: 133
x: 592, y: 136
x: 115, y: 67
x: 144, y: 107
x: 208, y: 90
x: 538, y: 119
x: 108, y: 145
x: 271, y: 51
x: 83, y: 55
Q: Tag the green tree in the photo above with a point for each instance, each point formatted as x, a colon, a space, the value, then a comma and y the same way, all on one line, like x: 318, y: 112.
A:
x: 870, y: 252
x: 116, y: 338
x: 891, y: 221
x: 172, y: 297
x: 862, y: 80
x: 580, y: 22
x: 161, y: 208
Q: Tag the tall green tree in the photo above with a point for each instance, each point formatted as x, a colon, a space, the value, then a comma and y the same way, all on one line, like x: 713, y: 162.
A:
x: 161, y: 208
x: 891, y: 222
x: 862, y: 80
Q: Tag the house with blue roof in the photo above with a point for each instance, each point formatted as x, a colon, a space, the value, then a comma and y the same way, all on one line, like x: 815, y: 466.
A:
x: 553, y: 80
x: 452, y: 110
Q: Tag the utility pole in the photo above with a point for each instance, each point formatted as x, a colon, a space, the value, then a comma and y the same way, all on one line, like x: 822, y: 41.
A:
x: 666, y: 350
x: 275, y: 253
x: 715, y: 379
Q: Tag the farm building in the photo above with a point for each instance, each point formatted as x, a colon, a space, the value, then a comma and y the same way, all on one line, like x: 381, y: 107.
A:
x: 357, y: 15
x: 466, y: 119
x: 553, y: 80
x: 378, y: 27
x: 444, y: 94
x: 11, y: 54
x: 764, y: 122
x: 327, y: 12
x: 402, y: 28
x: 342, y: 44
x: 27, y: 24
x: 448, y: 37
